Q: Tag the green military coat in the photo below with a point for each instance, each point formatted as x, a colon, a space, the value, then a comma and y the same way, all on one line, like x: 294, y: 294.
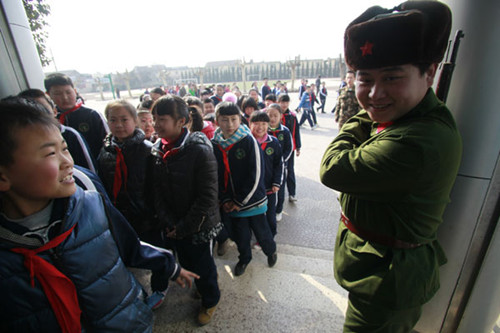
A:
x: 396, y: 183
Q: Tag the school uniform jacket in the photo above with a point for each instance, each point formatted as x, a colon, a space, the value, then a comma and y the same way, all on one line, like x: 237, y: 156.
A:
x: 246, y: 179
x: 273, y: 162
x: 181, y: 189
x: 282, y: 133
x: 305, y: 101
x: 79, y: 148
x: 90, y: 124
x: 130, y: 199
x: 289, y: 120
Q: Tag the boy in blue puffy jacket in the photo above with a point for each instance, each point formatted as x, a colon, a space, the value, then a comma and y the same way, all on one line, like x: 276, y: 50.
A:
x: 64, y: 252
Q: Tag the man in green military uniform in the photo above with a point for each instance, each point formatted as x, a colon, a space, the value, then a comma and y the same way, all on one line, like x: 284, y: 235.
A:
x: 347, y: 103
x: 394, y: 164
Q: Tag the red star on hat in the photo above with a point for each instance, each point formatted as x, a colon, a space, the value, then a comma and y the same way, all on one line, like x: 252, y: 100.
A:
x: 367, y: 48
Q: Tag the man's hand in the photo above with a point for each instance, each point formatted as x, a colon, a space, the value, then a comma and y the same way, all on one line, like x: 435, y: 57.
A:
x: 185, y: 278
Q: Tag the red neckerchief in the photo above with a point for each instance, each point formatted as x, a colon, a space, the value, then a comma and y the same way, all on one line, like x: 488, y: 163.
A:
x: 263, y: 146
x: 227, y: 170
x: 121, y: 173
x: 168, y: 146
x: 59, y: 289
x: 273, y: 132
x: 383, y: 126
x: 62, y: 117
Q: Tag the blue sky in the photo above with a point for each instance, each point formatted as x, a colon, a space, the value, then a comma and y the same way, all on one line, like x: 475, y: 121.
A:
x: 107, y: 35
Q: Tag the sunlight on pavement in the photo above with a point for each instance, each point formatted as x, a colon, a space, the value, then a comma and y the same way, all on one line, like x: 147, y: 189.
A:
x: 229, y: 271
x: 338, y: 300
x: 261, y: 295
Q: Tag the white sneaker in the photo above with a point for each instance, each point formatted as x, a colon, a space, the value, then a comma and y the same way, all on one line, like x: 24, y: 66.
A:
x: 279, y: 217
x: 292, y: 198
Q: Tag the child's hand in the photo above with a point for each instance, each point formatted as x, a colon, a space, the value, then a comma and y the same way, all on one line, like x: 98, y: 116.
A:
x: 171, y: 233
x: 275, y: 189
x: 234, y: 207
x: 227, y: 206
x: 297, y: 152
x: 230, y: 206
x: 185, y: 277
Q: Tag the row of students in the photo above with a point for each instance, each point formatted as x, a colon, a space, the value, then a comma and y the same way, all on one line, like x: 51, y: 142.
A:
x: 115, y: 168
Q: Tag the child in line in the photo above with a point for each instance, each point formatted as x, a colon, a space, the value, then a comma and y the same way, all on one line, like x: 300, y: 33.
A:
x: 122, y: 169
x: 249, y: 105
x: 71, y: 112
x: 146, y: 120
x: 284, y: 137
x: 270, y: 99
x: 289, y: 120
x: 122, y: 164
x: 181, y: 185
x: 242, y: 194
x: 64, y: 252
x: 77, y: 145
x: 273, y: 163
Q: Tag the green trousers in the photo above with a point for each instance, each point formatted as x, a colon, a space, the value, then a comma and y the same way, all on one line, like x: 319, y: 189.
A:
x: 362, y: 317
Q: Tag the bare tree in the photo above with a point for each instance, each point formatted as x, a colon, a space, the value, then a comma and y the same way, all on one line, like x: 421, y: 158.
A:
x: 244, y: 74
x: 293, y: 64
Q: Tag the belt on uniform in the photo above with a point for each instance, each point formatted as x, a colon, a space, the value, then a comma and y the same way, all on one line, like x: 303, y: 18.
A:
x: 377, y: 238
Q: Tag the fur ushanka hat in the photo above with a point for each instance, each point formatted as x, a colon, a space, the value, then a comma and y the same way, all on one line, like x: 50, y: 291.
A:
x: 411, y: 33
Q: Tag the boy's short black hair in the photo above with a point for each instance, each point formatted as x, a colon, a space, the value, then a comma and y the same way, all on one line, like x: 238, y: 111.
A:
x: 171, y: 105
x: 146, y: 105
x: 226, y: 109
x: 283, y: 98
x: 33, y: 94
x: 158, y: 90
x: 193, y: 100
x: 208, y: 100
x: 249, y: 102
x: 270, y: 97
x: 259, y: 116
x: 17, y: 113
x: 57, y: 79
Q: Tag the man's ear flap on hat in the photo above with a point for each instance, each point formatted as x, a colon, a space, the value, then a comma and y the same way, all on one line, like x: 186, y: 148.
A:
x: 370, y: 13
x: 437, y: 25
